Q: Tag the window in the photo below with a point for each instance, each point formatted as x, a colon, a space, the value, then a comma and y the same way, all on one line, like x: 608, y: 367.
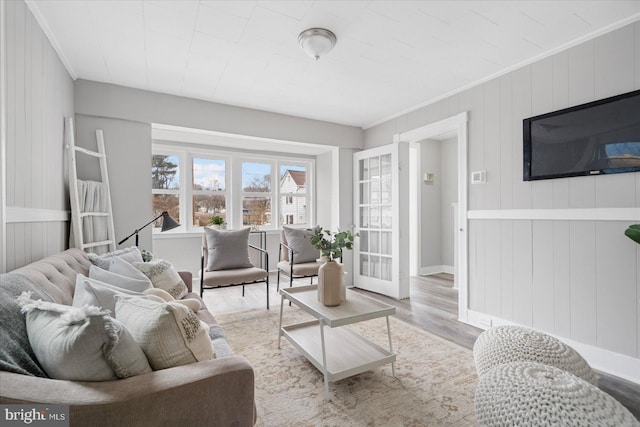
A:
x: 165, y: 184
x: 293, y: 193
x: 196, y: 184
x: 208, y: 186
x: 256, y: 194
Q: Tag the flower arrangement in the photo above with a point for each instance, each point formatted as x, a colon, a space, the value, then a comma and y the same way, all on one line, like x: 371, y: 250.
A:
x: 331, y: 245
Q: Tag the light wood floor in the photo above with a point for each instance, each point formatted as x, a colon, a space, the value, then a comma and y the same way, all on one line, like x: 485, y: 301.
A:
x: 432, y: 306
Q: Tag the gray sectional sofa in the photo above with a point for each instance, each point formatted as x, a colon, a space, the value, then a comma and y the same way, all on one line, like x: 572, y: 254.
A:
x: 216, y: 392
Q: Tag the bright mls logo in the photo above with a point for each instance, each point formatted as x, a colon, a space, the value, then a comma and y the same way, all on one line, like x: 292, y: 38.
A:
x: 37, y: 415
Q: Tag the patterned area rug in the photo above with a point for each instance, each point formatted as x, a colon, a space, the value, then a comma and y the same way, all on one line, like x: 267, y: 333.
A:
x: 434, y: 383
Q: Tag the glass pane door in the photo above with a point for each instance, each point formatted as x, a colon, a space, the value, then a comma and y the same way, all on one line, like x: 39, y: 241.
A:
x: 375, y: 176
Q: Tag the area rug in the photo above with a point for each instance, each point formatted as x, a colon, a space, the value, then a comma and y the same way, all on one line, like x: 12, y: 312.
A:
x: 434, y: 383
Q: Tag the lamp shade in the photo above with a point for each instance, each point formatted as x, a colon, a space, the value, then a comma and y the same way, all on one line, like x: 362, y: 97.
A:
x: 317, y: 42
x: 168, y: 223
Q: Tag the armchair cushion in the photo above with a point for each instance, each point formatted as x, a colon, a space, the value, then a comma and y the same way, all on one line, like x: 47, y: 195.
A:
x: 234, y: 276
x: 304, y: 269
x: 299, y: 240
x: 227, y: 249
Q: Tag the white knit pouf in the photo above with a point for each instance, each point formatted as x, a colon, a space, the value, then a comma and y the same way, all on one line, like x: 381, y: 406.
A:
x: 532, y: 394
x: 504, y: 344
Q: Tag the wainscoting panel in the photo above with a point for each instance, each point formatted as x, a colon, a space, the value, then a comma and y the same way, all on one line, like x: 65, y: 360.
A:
x: 616, y: 296
x: 542, y: 275
x: 493, y: 279
x: 39, y: 96
x: 562, y: 278
x: 522, y: 278
x: 507, y: 268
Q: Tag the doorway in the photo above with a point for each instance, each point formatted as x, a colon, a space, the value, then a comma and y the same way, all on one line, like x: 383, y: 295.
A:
x: 448, y: 131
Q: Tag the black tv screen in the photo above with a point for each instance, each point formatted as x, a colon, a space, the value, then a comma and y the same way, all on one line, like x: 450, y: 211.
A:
x: 600, y: 137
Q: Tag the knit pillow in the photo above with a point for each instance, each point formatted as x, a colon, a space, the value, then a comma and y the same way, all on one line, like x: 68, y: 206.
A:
x: 169, y: 333
x: 81, y: 344
x: 228, y: 249
x: 163, y: 276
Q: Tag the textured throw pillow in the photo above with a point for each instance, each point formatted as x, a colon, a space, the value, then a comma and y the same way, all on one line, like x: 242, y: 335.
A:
x: 299, y: 240
x: 119, y: 280
x: 228, y: 249
x: 169, y: 333
x: 103, y: 261
x: 163, y: 276
x: 81, y: 344
x: 165, y: 296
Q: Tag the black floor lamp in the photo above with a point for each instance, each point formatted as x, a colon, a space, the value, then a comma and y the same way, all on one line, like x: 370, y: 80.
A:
x: 168, y: 223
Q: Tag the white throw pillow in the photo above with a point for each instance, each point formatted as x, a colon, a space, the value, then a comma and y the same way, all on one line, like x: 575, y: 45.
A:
x: 169, y: 333
x: 81, y: 343
x: 131, y: 255
x: 192, y: 303
x: 90, y: 291
x: 126, y: 269
x: 139, y: 285
x: 163, y: 276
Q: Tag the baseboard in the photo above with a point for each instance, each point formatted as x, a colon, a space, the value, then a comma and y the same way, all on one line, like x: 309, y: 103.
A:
x: 606, y: 361
x: 436, y: 269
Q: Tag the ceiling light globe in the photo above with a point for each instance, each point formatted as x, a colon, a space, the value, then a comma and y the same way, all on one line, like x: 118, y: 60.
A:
x: 317, y: 42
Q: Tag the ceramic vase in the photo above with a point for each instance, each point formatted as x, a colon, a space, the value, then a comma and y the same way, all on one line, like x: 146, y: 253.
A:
x: 331, y: 289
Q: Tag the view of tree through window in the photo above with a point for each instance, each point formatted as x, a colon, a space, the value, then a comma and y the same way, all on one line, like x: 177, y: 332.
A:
x: 165, y: 178
x: 256, y: 208
x: 208, y: 190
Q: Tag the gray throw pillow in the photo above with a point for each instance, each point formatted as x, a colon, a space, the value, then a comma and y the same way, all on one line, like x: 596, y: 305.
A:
x: 16, y: 354
x: 131, y: 255
x: 299, y: 240
x: 228, y: 249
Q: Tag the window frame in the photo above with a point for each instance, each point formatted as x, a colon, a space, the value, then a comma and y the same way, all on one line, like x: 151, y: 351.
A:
x: 234, y: 191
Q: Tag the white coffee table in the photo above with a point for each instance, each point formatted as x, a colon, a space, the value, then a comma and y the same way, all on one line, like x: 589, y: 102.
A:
x: 336, y: 351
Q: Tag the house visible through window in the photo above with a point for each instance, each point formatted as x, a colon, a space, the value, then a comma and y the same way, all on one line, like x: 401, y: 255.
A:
x: 293, y: 193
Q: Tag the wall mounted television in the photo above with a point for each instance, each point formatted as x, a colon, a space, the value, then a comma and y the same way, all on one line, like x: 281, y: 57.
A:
x: 600, y: 137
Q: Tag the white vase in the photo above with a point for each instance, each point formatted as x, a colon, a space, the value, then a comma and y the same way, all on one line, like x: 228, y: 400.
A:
x: 331, y: 289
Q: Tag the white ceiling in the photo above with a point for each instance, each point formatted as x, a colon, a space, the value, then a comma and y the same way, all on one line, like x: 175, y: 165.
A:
x: 391, y: 56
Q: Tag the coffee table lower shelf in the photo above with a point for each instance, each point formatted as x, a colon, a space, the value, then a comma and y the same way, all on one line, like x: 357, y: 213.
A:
x: 347, y: 352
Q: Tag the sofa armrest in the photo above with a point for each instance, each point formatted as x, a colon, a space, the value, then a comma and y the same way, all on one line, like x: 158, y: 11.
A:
x: 187, y: 278
x: 213, y: 392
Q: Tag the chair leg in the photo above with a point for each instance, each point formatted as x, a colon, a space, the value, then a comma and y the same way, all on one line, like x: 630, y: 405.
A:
x: 278, y: 285
x: 267, y: 292
x: 311, y: 280
x: 243, y: 290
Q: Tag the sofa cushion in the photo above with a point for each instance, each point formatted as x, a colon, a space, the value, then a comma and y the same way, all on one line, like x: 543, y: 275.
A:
x: 299, y: 240
x: 227, y: 249
x: 165, y: 296
x: 126, y: 269
x: 131, y: 255
x: 114, y: 279
x: 163, y: 276
x: 81, y: 344
x: 169, y: 333
x: 16, y: 354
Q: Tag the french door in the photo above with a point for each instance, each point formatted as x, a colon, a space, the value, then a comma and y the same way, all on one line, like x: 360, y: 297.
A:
x: 381, y: 259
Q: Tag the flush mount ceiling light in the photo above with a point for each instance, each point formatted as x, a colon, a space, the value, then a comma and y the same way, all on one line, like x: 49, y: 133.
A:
x: 317, y: 42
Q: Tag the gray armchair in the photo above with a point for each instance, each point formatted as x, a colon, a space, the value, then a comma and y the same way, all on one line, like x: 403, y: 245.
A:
x: 222, y: 274
x: 293, y: 263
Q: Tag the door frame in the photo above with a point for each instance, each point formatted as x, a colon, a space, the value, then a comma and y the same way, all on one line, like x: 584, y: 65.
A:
x: 457, y: 124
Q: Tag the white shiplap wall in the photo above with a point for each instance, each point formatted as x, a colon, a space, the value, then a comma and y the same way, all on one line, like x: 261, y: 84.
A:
x: 39, y: 96
x: 575, y: 278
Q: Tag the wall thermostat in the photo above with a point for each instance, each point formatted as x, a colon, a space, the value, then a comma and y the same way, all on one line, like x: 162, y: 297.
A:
x: 478, y: 177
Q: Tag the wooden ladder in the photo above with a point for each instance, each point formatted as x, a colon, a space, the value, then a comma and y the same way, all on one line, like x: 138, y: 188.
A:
x: 77, y: 214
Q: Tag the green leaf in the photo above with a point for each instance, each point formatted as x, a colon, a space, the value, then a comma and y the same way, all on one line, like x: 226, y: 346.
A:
x: 633, y: 232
